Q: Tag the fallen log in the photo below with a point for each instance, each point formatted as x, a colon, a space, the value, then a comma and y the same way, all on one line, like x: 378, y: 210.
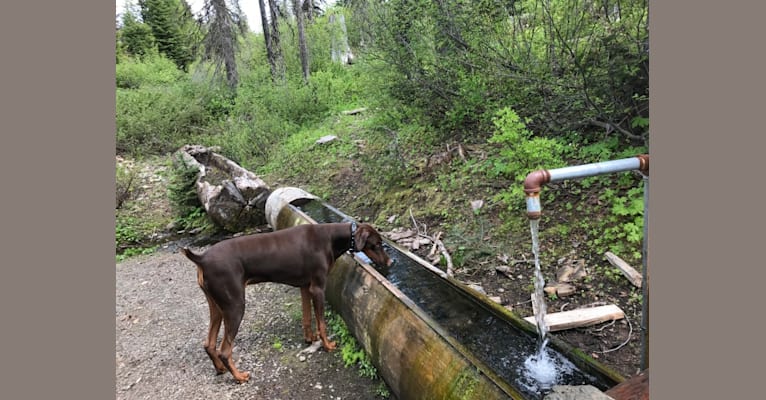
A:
x: 232, y: 196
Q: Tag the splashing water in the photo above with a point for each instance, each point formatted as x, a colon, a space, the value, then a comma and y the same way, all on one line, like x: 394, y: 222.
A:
x: 540, y: 367
x: 544, y: 370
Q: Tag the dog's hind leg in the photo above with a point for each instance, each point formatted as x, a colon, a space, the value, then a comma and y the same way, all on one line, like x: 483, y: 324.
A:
x: 212, y: 336
x: 232, y: 317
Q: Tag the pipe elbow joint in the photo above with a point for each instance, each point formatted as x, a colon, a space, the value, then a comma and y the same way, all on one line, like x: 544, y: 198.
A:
x: 532, y: 185
x: 535, y: 180
x: 643, y: 160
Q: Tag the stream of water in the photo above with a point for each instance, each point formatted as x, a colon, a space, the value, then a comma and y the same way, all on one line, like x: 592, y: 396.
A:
x: 540, y: 366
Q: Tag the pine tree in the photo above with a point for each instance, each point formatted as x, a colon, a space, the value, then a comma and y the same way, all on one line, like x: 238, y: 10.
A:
x: 135, y: 36
x: 173, y: 28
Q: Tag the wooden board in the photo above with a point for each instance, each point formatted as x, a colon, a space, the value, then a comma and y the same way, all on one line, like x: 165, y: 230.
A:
x: 633, y: 276
x: 580, y: 317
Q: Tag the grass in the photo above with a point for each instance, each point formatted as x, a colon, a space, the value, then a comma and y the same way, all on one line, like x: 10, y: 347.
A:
x: 351, y: 352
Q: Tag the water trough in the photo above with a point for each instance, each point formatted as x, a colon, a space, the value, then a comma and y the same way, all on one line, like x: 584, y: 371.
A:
x: 430, y: 336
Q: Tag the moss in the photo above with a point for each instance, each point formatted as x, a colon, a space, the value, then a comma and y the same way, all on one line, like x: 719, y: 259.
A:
x: 465, y: 384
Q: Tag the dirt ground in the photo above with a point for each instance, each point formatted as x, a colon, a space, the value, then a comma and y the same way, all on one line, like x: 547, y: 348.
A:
x: 162, y: 319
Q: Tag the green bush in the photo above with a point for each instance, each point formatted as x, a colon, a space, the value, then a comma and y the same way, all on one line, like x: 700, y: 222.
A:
x: 183, y: 195
x: 351, y: 352
x: 518, y: 154
x: 124, y: 184
x: 155, y: 120
x: 132, y: 73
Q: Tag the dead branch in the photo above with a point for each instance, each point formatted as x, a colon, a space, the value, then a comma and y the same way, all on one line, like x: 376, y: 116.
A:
x: 437, y: 244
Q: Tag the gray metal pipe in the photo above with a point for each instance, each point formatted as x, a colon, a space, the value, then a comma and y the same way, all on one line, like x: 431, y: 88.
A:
x: 645, y: 280
x: 534, y: 181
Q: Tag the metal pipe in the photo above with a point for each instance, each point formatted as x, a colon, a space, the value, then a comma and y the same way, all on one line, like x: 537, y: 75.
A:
x: 645, y: 280
x: 534, y: 181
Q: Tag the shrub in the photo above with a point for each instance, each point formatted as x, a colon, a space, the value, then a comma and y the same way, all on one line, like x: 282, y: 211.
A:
x: 132, y: 73
x: 518, y: 154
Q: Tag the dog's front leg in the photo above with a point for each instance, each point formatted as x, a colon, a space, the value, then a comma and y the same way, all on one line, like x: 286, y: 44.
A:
x: 317, y: 296
x: 308, y: 333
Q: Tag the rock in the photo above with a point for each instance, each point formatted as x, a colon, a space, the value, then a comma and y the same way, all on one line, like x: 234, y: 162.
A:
x: 560, y: 289
x: 571, y: 271
x: 565, y: 289
x: 326, y: 139
x: 476, y: 205
x: 550, y: 290
x: 586, y: 392
x: 477, y: 288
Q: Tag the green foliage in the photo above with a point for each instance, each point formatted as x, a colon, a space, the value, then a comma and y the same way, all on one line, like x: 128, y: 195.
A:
x: 132, y: 252
x: 621, y: 231
x: 124, y: 184
x: 134, y: 36
x: 183, y: 196
x: 566, y: 64
x: 382, y: 390
x: 173, y: 28
x: 519, y: 153
x: 277, y: 344
x: 129, y: 234
x: 156, y: 120
x: 134, y: 73
x: 126, y: 231
x: 351, y: 352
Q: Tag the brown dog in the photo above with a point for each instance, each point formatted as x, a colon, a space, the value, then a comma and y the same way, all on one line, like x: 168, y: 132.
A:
x: 300, y: 256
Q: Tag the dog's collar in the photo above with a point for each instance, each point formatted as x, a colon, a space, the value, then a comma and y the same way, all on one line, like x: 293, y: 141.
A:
x: 352, y: 246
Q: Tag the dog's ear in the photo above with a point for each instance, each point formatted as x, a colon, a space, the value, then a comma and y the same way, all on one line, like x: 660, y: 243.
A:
x: 361, y: 237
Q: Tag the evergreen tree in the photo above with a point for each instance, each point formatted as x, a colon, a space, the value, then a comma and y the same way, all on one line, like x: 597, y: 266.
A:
x: 173, y: 28
x: 224, y: 24
x: 135, y: 36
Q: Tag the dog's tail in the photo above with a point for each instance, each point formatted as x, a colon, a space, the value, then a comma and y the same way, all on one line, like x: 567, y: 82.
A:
x: 196, y: 258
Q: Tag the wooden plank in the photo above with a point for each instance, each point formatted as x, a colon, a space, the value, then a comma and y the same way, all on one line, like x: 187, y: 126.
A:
x: 580, y: 317
x: 633, y: 276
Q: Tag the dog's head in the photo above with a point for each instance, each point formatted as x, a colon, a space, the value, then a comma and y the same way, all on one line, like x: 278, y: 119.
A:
x: 368, y: 241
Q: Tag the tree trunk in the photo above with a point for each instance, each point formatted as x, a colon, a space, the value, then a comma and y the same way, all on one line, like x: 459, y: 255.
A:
x: 340, y: 50
x: 221, y: 39
x: 267, y: 39
x: 271, y: 36
x: 304, y: 51
x: 233, y: 197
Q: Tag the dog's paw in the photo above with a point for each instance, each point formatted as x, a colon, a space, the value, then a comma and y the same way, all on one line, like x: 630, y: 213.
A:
x: 243, y: 377
x: 310, y: 338
x: 330, y: 346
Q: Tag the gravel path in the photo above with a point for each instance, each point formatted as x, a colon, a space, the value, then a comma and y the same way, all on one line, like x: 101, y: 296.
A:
x: 162, y: 319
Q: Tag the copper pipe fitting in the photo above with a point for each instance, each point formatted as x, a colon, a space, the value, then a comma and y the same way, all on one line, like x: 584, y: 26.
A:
x: 644, y: 161
x: 535, y: 180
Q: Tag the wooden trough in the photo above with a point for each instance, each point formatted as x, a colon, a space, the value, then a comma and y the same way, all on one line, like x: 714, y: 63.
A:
x: 414, y: 354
